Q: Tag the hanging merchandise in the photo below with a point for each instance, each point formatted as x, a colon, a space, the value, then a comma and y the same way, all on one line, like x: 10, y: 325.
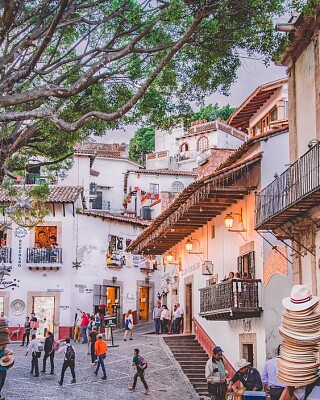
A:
x: 128, y: 241
x: 119, y: 243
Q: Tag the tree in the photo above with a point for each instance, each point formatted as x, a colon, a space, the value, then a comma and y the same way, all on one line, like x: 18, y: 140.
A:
x: 212, y: 111
x: 71, y: 68
x: 142, y: 143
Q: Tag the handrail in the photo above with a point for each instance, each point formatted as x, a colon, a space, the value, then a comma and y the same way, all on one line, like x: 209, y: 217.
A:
x: 298, y: 181
x: 44, y: 256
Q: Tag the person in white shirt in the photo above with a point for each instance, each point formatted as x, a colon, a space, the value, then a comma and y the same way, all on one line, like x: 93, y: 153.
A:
x: 178, y: 314
x: 34, y: 349
x: 164, y: 319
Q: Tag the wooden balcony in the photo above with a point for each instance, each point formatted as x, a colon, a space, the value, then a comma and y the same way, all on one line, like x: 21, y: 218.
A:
x: 295, y: 191
x: 233, y: 299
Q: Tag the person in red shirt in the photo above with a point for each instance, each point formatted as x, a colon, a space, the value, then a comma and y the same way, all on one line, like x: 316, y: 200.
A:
x: 84, y: 326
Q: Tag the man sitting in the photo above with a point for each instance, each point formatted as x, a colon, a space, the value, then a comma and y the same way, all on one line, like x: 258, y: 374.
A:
x: 248, y: 376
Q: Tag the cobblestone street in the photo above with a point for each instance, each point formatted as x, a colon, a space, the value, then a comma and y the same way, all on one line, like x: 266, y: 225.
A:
x: 163, y: 377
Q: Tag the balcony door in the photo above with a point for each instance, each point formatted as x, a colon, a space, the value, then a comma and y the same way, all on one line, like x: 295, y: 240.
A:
x: 43, y: 307
x: 189, y: 308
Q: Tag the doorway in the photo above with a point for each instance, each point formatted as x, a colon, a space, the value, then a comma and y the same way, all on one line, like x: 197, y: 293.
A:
x: 189, y: 310
x: 247, y: 352
x: 43, y: 307
x: 112, y: 301
x: 143, y: 303
x: 248, y: 347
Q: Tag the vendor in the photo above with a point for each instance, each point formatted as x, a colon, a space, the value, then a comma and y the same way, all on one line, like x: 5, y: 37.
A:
x: 248, y: 376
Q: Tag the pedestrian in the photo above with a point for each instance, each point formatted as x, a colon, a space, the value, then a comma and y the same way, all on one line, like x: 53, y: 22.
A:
x: 45, y: 326
x: 216, y: 375
x: 156, y: 317
x: 84, y: 326
x: 178, y: 314
x: 128, y: 324
x: 69, y: 360
x: 92, y: 341
x: 172, y: 324
x: 101, y: 349
x: 97, y: 322
x: 248, y: 376
x: 3, y: 368
x: 270, y: 380
x: 140, y: 365
x: 34, y: 324
x: 77, y: 329
x: 26, y: 332
x: 164, y: 319
x: 48, y: 352
x: 35, y: 349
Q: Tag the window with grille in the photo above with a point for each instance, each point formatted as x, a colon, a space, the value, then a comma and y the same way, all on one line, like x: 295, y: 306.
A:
x: 154, y: 188
x: 202, y: 144
x: 177, y: 187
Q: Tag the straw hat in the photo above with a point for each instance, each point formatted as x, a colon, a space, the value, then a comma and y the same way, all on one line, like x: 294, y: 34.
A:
x: 300, y: 299
x: 7, y: 361
x: 242, y: 363
x: 304, y: 336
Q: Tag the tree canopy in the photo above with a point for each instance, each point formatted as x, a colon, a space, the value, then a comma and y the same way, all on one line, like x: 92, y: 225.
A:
x: 71, y: 68
x: 142, y: 143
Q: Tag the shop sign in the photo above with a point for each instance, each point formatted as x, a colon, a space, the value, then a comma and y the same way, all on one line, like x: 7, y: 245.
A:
x: 55, y: 290
x: 190, y: 268
x: 129, y: 298
x: 20, y: 232
x: 5, y: 284
x: 64, y: 307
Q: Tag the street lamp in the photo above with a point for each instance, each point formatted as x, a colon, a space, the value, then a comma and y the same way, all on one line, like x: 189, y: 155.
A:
x: 229, y: 220
x: 170, y: 257
x: 189, y: 245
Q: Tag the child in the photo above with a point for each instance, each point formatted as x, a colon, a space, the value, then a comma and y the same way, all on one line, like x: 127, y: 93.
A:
x: 136, y: 361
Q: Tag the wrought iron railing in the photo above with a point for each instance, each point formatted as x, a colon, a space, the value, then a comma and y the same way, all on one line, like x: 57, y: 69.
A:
x: 298, y: 181
x: 5, y: 255
x: 44, y: 256
x: 235, y: 293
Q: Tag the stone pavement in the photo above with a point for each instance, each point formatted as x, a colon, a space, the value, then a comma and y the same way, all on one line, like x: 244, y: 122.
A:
x: 164, y: 377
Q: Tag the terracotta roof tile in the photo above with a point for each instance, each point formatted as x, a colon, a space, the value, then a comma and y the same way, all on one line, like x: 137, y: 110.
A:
x: 162, y: 172
x: 121, y: 218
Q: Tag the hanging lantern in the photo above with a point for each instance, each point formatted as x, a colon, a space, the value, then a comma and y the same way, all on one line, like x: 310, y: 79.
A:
x: 228, y: 221
x: 170, y: 257
x: 188, y: 245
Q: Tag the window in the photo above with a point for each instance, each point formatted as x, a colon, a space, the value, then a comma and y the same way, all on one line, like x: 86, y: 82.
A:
x: 246, y: 265
x: 184, y: 147
x: 202, y: 144
x: 154, y: 188
x: 45, y: 236
x: 278, y: 113
x: 177, y: 187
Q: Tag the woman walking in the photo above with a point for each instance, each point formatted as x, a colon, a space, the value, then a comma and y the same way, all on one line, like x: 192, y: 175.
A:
x: 128, y: 324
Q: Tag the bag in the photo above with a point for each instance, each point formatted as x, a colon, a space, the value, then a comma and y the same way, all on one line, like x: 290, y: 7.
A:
x: 55, y: 345
x: 37, y: 354
x: 103, y: 356
x: 70, y: 354
x: 130, y: 325
x: 40, y: 347
x: 142, y: 363
x: 214, y: 389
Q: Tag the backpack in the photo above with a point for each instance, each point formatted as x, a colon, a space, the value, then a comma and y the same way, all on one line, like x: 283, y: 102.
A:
x: 142, y: 363
x: 70, y: 354
x: 55, y: 345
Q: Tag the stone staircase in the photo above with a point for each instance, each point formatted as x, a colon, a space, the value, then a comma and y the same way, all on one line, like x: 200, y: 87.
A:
x: 192, y: 359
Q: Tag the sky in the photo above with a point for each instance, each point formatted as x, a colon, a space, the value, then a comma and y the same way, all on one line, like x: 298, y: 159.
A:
x: 251, y: 74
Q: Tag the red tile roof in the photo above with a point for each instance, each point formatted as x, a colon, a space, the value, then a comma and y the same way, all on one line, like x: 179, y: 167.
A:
x: 112, y: 217
x: 162, y: 172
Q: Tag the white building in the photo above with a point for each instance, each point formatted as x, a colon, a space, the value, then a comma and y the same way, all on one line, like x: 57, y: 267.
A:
x: 88, y: 269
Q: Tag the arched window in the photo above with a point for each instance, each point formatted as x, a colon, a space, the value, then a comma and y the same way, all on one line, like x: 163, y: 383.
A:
x: 202, y: 144
x: 177, y: 187
x: 184, y: 147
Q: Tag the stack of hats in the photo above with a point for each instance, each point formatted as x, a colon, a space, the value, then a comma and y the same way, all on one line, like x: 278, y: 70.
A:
x: 4, y: 332
x: 298, y: 364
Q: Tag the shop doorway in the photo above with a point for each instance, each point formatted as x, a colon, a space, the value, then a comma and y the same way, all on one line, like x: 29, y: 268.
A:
x: 247, y: 352
x: 189, y: 310
x: 143, y: 303
x: 112, y: 301
x: 43, y: 307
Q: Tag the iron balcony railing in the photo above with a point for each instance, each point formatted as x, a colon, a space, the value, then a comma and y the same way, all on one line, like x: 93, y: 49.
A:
x: 300, y: 180
x: 5, y: 255
x: 44, y: 256
x: 232, y: 299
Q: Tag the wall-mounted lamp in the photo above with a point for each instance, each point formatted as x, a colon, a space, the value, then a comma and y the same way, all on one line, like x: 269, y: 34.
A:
x: 189, y: 246
x: 114, y: 279
x: 229, y: 220
x: 170, y: 257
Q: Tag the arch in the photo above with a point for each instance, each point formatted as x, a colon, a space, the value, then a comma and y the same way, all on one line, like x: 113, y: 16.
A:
x: 184, y: 147
x: 177, y: 187
x: 202, y: 143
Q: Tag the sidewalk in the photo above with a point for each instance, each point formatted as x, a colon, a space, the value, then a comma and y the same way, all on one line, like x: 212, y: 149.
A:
x: 163, y: 377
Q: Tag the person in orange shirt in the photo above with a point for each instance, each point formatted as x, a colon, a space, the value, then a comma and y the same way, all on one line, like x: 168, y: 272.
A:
x: 101, y: 349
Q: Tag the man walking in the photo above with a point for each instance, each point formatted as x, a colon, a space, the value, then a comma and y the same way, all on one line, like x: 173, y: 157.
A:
x: 156, y: 317
x: 48, y: 352
x: 77, y: 329
x: 138, y: 362
x: 216, y: 375
x: 92, y: 340
x: 35, y: 355
x: 26, y: 332
x: 69, y: 360
x: 101, y: 349
x: 84, y: 326
x: 269, y: 378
